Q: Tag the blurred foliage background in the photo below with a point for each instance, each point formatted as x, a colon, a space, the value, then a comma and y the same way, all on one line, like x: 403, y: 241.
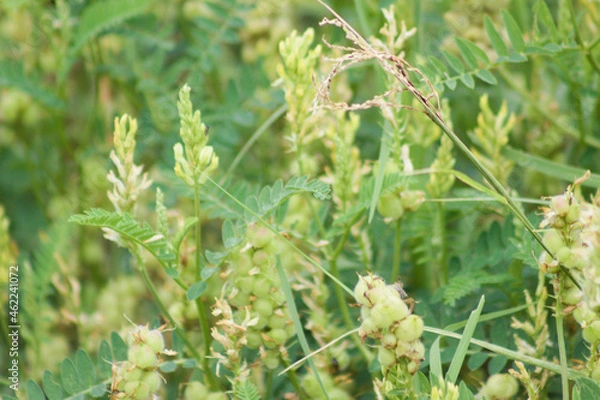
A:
x: 68, y: 68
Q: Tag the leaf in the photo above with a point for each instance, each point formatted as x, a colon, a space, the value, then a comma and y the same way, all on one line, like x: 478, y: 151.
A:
x: 477, y: 360
x: 97, y: 17
x: 98, y: 391
x: 85, y: 369
x: 384, y: 152
x: 466, y: 52
x: 463, y: 345
x: 196, y: 290
x: 514, y: 32
x: 130, y: 230
x: 34, y: 392
x: 12, y: 74
x: 228, y: 233
x: 69, y: 377
x: 291, y: 304
x: 435, y: 359
x: 494, y: 36
x: 550, y: 168
x: 119, y: 347
x: 486, y: 76
x: 168, y: 366
x: 246, y: 391
x: 589, y: 388
x: 497, y: 364
x: 105, y: 359
x: 454, y: 62
x: 464, y: 393
x: 542, y: 12
x: 52, y: 388
x: 467, y: 80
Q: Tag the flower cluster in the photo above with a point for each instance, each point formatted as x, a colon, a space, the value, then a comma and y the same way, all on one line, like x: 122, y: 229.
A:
x: 138, y: 377
x: 574, y: 240
x: 257, y: 288
x: 387, y: 318
x: 199, y: 159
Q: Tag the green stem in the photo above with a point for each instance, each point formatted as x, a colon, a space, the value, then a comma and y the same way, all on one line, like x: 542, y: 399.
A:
x: 291, y: 374
x: 164, y: 311
x: 397, y: 251
x: 200, y: 306
x: 562, y: 347
x: 443, y: 249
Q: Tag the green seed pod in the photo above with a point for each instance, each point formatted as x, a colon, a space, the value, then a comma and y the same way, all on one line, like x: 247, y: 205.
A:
x: 384, y: 314
x: 155, y: 341
x: 142, y: 356
x: 591, y: 333
x: 258, y: 235
x: 195, y: 390
x: 501, y: 386
x: 279, y: 336
x: 553, y: 240
x: 560, y: 204
x: 152, y: 380
x: 390, y: 206
x: 263, y: 307
x: 409, y: 329
x: 386, y: 357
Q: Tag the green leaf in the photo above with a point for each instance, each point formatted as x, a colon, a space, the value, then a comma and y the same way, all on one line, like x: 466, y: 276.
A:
x: 12, y: 74
x: 464, y: 393
x: 228, y: 233
x: 514, y: 32
x: 206, y: 272
x: 168, y: 366
x: 130, y: 230
x: 550, y: 168
x: 494, y: 36
x: 451, y: 83
x: 52, y: 388
x: 105, y: 359
x: 466, y: 52
x: 468, y: 81
x: 291, y: 303
x: 96, y: 18
x: 98, y: 391
x: 454, y: 62
x: 516, y: 58
x: 477, y: 360
x: 34, y: 392
x: 119, y: 347
x: 215, y: 257
x: 435, y: 358
x: 69, y: 377
x: 497, y: 364
x: 246, y: 391
x: 486, y: 76
x: 196, y: 290
x: 85, y: 369
x: 476, y: 51
x: 438, y: 66
x: 589, y: 388
x: 384, y: 152
x: 463, y: 345
x: 544, y: 17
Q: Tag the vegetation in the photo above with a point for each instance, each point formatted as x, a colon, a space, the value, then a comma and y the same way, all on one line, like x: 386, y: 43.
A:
x: 292, y: 199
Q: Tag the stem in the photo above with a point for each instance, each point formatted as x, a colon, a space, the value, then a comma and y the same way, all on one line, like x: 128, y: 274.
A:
x: 200, y: 306
x: 397, y: 251
x: 443, y: 249
x: 291, y: 373
x: 562, y: 347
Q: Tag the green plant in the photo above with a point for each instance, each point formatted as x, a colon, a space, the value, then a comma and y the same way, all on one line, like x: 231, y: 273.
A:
x: 327, y: 223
